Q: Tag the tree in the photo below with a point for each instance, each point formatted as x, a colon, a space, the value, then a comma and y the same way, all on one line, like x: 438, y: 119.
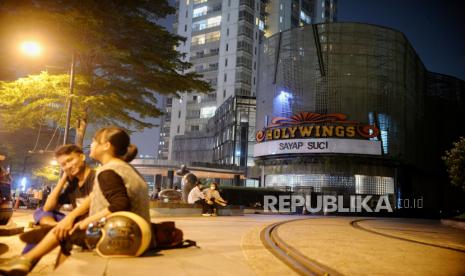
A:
x: 50, y: 173
x: 123, y: 58
x: 455, y: 163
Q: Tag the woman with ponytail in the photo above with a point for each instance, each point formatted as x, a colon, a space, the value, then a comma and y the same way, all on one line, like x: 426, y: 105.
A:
x: 118, y: 186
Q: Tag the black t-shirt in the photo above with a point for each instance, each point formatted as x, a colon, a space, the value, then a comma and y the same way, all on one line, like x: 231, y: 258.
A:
x: 73, y: 194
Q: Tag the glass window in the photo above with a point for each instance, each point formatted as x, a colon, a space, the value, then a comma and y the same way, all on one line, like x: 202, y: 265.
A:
x: 200, y: 11
x: 261, y: 25
x: 206, y: 23
x: 205, y: 38
x: 207, y: 112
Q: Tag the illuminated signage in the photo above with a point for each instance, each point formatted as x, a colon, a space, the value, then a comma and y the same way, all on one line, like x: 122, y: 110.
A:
x: 315, y: 125
x: 330, y: 145
x: 307, y: 132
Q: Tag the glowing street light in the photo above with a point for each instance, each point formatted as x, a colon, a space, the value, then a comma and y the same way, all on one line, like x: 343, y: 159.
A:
x: 34, y: 49
x: 31, y: 48
x: 54, y: 162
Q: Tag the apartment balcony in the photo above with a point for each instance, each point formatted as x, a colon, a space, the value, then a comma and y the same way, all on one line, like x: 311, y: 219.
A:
x: 211, y: 11
x: 197, y: 57
x: 205, y: 43
x: 208, y: 69
x: 205, y: 28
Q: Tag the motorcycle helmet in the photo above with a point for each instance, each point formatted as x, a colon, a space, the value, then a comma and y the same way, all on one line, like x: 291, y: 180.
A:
x: 124, y: 234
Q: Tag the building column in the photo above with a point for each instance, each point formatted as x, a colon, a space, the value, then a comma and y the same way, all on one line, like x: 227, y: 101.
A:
x: 158, y: 181
x: 170, y: 179
x: 262, y: 177
x: 237, y: 180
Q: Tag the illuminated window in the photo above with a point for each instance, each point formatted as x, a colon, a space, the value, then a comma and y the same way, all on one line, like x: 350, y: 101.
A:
x: 383, y: 122
x: 214, y: 20
x: 200, y: 11
x: 207, y: 112
x: 304, y: 17
x: 198, y: 39
x: 261, y: 25
x: 205, y: 38
x: 206, y: 23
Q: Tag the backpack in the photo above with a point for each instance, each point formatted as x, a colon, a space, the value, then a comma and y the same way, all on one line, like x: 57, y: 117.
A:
x: 165, y: 235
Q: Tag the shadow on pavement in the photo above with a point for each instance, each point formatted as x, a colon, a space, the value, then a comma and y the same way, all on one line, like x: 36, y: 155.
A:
x: 3, y: 248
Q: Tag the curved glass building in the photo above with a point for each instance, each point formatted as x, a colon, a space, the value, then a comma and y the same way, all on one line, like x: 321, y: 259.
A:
x: 365, y: 81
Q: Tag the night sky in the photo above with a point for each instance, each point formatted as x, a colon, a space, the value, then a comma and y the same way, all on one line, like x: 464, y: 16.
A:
x: 436, y: 29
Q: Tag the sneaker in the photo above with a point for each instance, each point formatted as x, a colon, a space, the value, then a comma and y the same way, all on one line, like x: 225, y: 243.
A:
x: 206, y: 215
x: 36, y: 235
x: 214, y: 214
x: 15, y: 266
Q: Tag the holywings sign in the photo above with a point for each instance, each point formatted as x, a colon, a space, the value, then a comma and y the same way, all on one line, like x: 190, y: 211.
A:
x: 308, y: 132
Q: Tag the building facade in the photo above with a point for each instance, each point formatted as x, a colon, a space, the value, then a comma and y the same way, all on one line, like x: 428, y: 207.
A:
x: 283, y: 15
x: 234, y: 132
x: 343, y: 108
x: 222, y: 41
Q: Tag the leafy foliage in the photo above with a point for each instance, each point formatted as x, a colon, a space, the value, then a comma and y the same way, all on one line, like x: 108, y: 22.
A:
x: 123, y: 58
x: 26, y: 102
x: 50, y: 173
x: 455, y: 163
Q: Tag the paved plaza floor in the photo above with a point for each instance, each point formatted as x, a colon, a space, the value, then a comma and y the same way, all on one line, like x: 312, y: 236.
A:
x: 232, y: 246
x: 394, y: 247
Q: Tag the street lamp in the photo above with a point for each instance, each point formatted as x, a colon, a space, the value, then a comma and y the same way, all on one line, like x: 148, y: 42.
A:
x: 34, y: 49
x: 70, y: 99
x: 31, y: 48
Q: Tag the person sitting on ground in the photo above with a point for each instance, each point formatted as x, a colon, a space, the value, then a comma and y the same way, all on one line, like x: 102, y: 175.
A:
x: 77, y: 182
x: 118, y: 187
x: 73, y: 187
x: 213, y: 199
x: 195, y: 195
